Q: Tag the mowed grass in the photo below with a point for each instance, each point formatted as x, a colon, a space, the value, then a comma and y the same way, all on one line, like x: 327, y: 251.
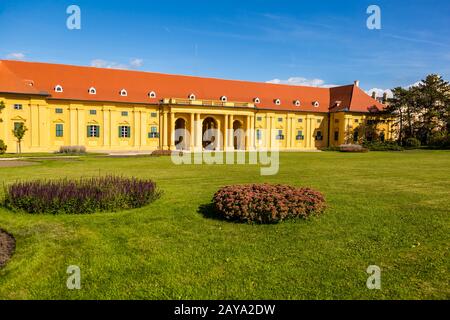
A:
x: 389, y: 209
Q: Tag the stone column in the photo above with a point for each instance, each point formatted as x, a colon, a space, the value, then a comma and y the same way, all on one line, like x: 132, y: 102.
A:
x: 288, y: 131
x: 165, y: 130
x: 192, y: 133
x: 231, y: 133
x: 219, y: 143
x: 172, y: 130
x: 225, y: 133
x: 198, y: 133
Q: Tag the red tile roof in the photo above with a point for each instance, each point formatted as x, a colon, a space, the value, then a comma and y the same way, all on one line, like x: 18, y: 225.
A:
x: 16, y: 77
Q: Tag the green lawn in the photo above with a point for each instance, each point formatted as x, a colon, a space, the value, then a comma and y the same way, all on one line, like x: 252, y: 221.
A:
x: 390, y: 209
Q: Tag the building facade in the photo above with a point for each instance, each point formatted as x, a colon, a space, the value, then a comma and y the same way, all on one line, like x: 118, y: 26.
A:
x: 121, y: 110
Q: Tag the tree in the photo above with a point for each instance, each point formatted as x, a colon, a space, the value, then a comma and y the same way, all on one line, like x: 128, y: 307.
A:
x: 2, y: 106
x: 402, y: 106
x: 19, y: 133
x: 433, y: 102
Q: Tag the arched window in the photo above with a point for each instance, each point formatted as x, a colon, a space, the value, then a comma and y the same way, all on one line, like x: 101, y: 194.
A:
x: 256, y: 100
x: 223, y: 99
x: 277, y: 102
x: 316, y: 104
x: 92, y: 90
x: 191, y: 96
x: 123, y: 93
x: 297, y: 103
x: 152, y: 94
x: 58, y: 88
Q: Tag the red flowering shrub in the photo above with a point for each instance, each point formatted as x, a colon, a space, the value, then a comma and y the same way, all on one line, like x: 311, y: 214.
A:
x: 266, y: 203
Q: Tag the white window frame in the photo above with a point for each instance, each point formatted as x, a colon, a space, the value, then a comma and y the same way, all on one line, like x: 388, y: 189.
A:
x: 92, y: 90
x: 93, y: 129
x: 191, y: 96
x: 256, y: 100
x: 59, y: 88
x: 124, y: 131
x: 152, y: 94
x: 277, y: 102
x: 123, y: 93
x: 316, y: 104
x: 223, y: 98
x: 297, y: 103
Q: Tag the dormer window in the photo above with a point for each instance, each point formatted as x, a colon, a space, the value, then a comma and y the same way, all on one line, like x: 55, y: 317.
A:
x: 297, y: 103
x: 223, y: 99
x: 123, y: 93
x: 277, y: 102
x: 152, y: 94
x: 191, y: 96
x: 316, y: 104
x: 92, y: 90
x: 58, y: 88
x: 256, y: 100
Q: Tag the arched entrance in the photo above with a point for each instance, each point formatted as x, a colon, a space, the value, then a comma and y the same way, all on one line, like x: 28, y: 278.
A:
x: 209, y: 137
x: 238, y: 135
x: 180, y: 134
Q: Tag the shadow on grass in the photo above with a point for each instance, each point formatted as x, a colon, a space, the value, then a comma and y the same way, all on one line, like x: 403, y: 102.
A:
x: 209, y: 212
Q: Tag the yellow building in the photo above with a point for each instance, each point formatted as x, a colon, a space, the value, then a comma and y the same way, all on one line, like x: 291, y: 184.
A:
x: 121, y: 110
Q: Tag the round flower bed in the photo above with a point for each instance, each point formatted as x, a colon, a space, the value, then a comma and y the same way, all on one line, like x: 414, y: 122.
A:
x: 266, y: 203
x: 88, y: 195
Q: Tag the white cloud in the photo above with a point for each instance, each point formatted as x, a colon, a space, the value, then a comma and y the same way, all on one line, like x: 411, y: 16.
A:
x: 16, y: 56
x: 300, y: 81
x: 134, y: 63
x: 380, y: 92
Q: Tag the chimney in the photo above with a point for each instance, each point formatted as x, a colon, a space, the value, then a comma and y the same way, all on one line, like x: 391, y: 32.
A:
x: 356, y: 83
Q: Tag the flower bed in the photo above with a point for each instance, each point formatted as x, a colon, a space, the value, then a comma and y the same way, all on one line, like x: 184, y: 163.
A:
x: 88, y: 195
x: 266, y: 203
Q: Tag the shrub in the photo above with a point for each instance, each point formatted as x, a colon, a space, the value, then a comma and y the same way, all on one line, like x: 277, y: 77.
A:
x: 266, y: 203
x: 440, y: 140
x: 412, y: 143
x: 88, y: 195
x: 72, y: 149
x: 3, y: 147
x: 352, y: 148
x: 382, y: 146
x: 157, y: 153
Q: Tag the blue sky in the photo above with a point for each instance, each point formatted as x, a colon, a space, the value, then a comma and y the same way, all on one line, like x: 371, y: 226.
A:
x: 312, y: 42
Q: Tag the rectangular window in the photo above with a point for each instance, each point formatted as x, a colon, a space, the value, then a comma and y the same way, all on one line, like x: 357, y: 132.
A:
x: 280, y: 119
x: 280, y: 135
x: 300, y: 120
x: 124, y: 113
x: 336, y: 135
x: 299, y: 135
x: 93, y: 131
x: 93, y: 112
x: 319, y: 135
x: 58, y: 110
x: 59, y: 130
x: 153, y: 132
x: 356, y: 120
x: 18, y: 107
x: 258, y: 118
x: 319, y: 120
x: 153, y: 114
x: 258, y: 134
x: 124, y: 132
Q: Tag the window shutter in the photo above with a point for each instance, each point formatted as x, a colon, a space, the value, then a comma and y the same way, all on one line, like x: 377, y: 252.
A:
x: 98, y: 132
x: 129, y: 132
x: 120, y: 132
x: 88, y: 132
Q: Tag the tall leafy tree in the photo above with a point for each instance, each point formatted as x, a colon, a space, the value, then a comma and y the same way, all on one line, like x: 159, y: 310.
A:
x: 19, y: 132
